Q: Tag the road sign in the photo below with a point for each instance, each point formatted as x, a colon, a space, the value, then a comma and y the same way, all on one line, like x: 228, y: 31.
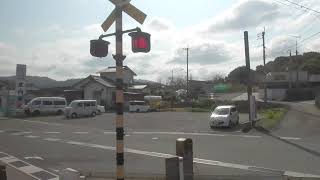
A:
x: 128, y: 8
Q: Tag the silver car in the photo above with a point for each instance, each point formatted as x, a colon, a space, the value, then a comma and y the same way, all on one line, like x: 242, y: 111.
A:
x: 224, y: 116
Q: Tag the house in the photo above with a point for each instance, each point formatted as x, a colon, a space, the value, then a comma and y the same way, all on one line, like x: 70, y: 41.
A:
x: 98, y: 88
x: 200, y: 88
x: 140, y: 89
x: 278, y: 84
x: 103, y: 87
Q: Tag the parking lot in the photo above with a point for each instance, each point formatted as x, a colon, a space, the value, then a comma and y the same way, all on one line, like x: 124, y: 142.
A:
x: 153, y: 121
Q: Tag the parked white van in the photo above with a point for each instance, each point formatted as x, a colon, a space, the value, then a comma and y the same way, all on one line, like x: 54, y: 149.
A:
x: 79, y: 108
x: 45, y: 105
x: 138, y: 106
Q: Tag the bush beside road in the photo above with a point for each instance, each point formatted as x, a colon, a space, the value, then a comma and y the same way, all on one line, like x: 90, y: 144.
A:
x: 272, y: 117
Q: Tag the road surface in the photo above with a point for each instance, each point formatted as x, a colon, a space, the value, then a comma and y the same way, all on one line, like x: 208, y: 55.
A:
x: 87, y: 144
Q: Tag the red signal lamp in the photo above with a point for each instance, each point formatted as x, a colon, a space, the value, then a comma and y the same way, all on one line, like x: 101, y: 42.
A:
x: 99, y: 48
x: 140, y: 42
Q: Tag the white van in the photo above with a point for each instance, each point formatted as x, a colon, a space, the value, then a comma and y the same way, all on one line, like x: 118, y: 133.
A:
x: 46, y: 105
x: 138, y: 106
x: 79, y: 108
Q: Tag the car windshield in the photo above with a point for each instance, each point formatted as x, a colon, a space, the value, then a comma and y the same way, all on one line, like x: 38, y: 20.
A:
x: 231, y: 86
x: 221, y: 111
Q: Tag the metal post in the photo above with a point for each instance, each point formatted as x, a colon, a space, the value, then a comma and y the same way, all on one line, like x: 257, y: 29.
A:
x: 249, y: 88
x: 289, y: 69
x: 119, y: 57
x: 264, y: 65
x: 181, y: 170
x: 187, y: 71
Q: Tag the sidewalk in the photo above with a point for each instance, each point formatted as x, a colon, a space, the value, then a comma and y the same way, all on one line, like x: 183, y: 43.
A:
x: 302, y: 107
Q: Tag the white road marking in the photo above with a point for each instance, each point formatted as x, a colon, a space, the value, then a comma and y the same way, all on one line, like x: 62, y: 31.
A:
x: 55, y: 170
x: 21, y: 133
x: 290, y: 138
x: 198, y: 134
x: 40, y: 122
x: 155, y: 138
x: 31, y: 136
x: 2, y: 131
x: 28, y: 169
x: 109, y: 132
x: 51, y: 139
x: 34, y: 157
x: 80, y: 132
x: 52, y: 132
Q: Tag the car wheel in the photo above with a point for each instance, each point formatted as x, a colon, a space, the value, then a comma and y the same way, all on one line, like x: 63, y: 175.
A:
x: 74, y: 115
x: 59, y: 112
x: 138, y: 110
x: 99, y: 112
x: 93, y: 114
x: 36, y: 113
x: 237, y: 120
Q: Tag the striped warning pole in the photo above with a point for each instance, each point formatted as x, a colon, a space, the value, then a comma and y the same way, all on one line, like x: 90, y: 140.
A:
x: 119, y: 57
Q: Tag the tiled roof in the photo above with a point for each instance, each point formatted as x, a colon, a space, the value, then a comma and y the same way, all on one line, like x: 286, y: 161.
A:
x: 113, y: 70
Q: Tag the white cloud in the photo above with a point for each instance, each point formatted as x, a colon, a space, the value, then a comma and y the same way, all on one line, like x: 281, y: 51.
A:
x: 245, y: 14
x: 216, y: 45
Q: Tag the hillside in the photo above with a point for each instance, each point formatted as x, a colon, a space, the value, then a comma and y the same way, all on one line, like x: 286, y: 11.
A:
x: 43, y: 82
x: 309, y: 61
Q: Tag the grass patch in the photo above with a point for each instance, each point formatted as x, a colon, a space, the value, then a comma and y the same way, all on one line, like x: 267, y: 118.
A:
x: 271, y: 117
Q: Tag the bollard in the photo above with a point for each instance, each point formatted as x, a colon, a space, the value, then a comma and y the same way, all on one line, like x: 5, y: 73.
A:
x: 172, y: 168
x: 70, y: 174
x: 3, y: 174
x: 184, y: 150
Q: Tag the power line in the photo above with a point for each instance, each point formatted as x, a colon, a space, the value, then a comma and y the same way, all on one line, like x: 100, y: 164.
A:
x: 302, y: 6
x: 280, y: 2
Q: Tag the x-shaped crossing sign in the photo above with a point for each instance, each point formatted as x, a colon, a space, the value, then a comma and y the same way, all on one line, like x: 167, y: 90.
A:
x: 128, y: 8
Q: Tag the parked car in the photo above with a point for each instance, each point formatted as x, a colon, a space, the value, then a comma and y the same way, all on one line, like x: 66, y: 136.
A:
x: 225, y: 116
x: 101, y: 109
x: 138, y: 106
x: 78, y: 108
x: 45, y: 105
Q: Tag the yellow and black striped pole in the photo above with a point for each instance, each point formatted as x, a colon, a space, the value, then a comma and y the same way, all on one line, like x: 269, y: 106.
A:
x: 119, y: 57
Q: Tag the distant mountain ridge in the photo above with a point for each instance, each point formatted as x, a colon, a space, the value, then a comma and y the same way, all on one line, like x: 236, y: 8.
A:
x: 44, y: 82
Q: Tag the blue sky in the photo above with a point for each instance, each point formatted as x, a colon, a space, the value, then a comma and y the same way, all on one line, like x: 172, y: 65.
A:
x: 52, y: 37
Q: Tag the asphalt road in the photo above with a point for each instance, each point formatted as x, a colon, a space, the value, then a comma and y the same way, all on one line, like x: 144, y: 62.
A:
x: 87, y: 144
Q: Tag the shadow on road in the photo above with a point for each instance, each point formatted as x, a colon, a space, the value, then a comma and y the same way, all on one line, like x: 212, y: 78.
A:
x: 267, y: 132
x: 239, y: 127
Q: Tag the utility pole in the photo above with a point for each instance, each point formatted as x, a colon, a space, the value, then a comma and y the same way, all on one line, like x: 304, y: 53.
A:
x: 289, y: 70
x: 249, y: 88
x: 187, y: 49
x: 171, y: 77
x: 264, y: 64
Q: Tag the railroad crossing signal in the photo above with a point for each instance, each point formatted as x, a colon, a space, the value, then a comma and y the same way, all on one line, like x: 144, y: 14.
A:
x: 128, y: 8
x: 99, y: 48
x: 140, y: 41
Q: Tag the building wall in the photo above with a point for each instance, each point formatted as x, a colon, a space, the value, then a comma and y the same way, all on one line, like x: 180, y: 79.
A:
x: 98, y: 92
x: 127, y: 76
x: 276, y: 94
x: 3, y: 102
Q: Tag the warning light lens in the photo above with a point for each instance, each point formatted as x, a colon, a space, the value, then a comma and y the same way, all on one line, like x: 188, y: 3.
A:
x: 140, y: 42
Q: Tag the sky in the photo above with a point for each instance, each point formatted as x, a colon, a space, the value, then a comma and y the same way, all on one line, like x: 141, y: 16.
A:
x: 52, y: 37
